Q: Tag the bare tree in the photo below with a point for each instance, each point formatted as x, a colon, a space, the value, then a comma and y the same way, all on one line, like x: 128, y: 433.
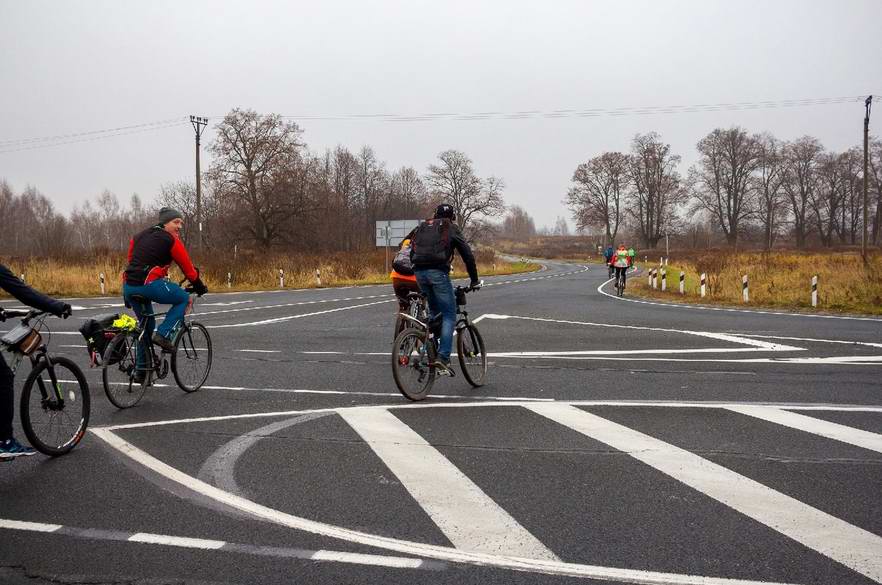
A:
x: 518, y: 224
x: 767, y: 184
x: 252, y: 152
x: 851, y: 209
x: 454, y: 181
x: 598, y: 197
x: 800, y: 181
x: 721, y: 180
x: 560, y: 227
x: 656, y: 190
x: 827, y: 196
x: 874, y: 186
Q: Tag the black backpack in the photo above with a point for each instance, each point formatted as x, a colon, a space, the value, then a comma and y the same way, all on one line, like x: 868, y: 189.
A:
x: 402, y: 262
x: 430, y: 245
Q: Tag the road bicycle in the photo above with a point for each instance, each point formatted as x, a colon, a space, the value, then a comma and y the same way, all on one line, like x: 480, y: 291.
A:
x: 55, y: 396
x: 415, y: 348
x: 189, y: 363
x: 620, y: 282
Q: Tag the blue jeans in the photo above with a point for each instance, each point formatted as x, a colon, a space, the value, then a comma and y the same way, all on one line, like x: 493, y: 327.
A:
x: 160, y: 291
x: 438, y: 289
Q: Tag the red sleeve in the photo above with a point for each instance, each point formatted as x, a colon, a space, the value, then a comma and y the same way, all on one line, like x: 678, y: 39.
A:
x: 131, y: 248
x: 180, y: 256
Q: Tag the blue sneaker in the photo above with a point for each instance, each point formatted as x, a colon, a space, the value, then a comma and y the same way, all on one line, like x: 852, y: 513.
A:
x: 10, y: 449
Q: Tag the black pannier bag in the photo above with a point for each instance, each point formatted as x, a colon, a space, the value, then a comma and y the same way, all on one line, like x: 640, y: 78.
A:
x: 431, y: 243
x: 98, y: 332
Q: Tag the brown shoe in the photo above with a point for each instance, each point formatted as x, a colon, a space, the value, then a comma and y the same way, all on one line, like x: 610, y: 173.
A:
x: 163, y: 342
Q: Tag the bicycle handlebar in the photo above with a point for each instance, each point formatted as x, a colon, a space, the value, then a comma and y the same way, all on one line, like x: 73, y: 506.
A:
x: 27, y: 315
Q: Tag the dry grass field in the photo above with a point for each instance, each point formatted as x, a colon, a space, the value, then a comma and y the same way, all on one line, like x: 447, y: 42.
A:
x: 778, y: 279
x: 80, y: 277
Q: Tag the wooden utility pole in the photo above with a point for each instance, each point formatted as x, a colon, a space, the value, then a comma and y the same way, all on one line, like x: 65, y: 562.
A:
x: 868, y: 103
x: 199, y: 124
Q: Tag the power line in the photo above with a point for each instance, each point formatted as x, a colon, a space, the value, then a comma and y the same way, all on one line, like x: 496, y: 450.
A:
x: 19, y: 141
x: 92, y: 138
x: 585, y: 112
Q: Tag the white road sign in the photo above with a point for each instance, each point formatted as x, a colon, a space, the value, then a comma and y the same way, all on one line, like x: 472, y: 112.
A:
x: 391, y: 232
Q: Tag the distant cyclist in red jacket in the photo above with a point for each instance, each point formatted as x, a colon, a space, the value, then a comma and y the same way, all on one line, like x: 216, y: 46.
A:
x: 151, y: 253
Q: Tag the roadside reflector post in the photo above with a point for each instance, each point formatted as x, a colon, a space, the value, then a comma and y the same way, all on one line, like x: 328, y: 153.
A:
x: 664, y: 279
x: 655, y: 278
x: 815, y: 290
x: 281, y: 278
x: 682, y: 283
x: 318, y: 278
x: 229, y: 280
x: 703, y: 284
x: 745, y: 296
x: 666, y: 260
x: 22, y: 277
x: 101, y: 281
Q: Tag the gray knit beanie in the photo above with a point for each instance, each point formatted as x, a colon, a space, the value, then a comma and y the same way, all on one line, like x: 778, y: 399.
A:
x: 166, y: 214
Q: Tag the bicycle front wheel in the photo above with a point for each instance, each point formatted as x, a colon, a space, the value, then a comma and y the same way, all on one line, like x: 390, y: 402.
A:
x: 55, y: 406
x: 411, y: 356
x: 191, y: 361
x: 472, y: 355
x: 119, y: 370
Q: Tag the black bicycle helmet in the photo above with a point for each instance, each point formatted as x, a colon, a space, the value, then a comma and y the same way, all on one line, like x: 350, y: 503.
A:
x: 445, y: 210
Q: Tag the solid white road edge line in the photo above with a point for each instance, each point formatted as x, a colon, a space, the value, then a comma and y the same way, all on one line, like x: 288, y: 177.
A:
x: 291, y: 317
x: 728, y: 309
x: 763, y: 345
x: 845, y: 543
x: 467, y: 516
x: 404, y: 546
x: 507, y: 403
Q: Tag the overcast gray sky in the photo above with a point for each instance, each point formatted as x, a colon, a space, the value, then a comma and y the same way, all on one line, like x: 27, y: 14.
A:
x: 77, y: 66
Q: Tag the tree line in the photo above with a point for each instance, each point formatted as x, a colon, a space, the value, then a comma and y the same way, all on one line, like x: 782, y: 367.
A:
x: 743, y: 187
x: 264, y: 189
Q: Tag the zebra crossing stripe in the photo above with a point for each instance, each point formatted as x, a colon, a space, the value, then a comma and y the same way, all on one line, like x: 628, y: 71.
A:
x: 467, y: 516
x: 816, y: 426
x: 845, y: 543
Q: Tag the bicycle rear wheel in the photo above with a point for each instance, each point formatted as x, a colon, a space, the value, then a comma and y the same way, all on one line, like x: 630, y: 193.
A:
x: 191, y: 361
x: 119, y: 369
x: 55, y: 426
x: 411, y: 356
x: 472, y: 355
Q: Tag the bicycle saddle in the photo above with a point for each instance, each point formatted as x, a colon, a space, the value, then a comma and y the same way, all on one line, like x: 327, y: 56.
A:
x: 139, y: 299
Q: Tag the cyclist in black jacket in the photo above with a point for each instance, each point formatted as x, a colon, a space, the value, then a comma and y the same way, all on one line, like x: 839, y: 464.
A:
x: 9, y: 447
x: 433, y: 273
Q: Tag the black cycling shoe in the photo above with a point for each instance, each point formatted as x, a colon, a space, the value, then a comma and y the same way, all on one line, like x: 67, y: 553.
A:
x: 163, y: 342
x: 442, y: 367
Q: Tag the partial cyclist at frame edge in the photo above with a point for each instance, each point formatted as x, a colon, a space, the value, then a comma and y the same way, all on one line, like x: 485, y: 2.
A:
x: 10, y: 448
x: 433, y: 245
x: 151, y: 253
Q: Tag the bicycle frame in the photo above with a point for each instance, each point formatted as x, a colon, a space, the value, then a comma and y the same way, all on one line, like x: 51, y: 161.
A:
x: 39, y: 354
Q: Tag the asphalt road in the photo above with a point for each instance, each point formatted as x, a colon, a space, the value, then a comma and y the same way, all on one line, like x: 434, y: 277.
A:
x: 615, y: 440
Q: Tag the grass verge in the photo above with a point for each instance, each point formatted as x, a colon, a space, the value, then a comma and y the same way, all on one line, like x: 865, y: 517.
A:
x: 777, y: 280
x: 80, y: 277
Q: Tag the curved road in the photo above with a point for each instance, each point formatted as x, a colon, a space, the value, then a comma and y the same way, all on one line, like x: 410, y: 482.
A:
x: 615, y: 441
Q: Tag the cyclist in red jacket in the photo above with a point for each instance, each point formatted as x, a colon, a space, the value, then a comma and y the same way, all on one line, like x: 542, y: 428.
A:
x: 151, y: 253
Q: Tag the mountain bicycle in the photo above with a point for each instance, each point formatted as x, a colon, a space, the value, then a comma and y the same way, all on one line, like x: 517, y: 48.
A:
x: 126, y: 378
x: 55, y: 396
x: 416, y: 347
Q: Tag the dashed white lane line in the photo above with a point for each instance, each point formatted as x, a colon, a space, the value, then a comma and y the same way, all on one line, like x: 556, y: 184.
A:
x: 728, y: 309
x: 179, y: 541
x: 259, y: 350
x: 845, y: 543
x: 816, y: 426
x: 467, y: 516
x: 223, y: 546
